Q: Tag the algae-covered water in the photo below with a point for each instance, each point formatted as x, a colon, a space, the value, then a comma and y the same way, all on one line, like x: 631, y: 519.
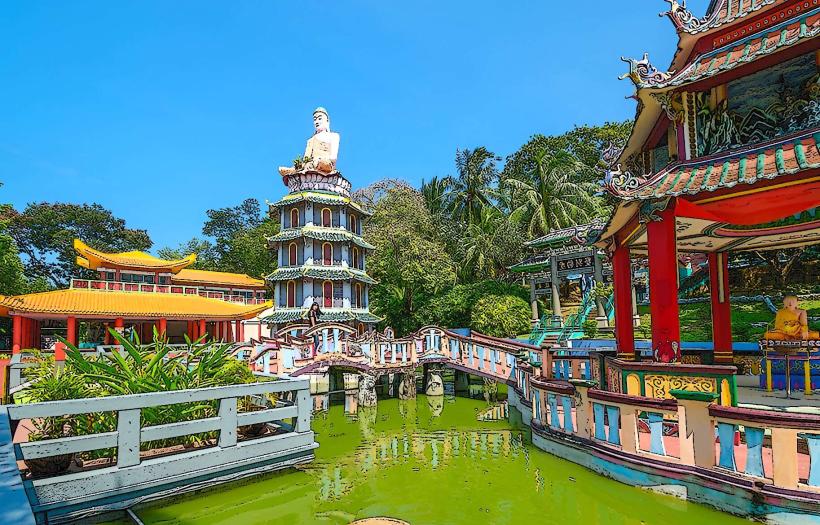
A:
x: 429, y: 461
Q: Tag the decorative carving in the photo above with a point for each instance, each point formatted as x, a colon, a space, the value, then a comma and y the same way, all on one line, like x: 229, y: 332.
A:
x: 618, y: 182
x: 672, y: 104
x: 649, y: 210
x: 659, y: 386
x: 684, y: 20
x: 610, y: 154
x: 643, y: 74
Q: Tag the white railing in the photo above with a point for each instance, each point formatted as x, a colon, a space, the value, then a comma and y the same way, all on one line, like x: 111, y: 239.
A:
x: 116, y: 286
x: 133, y: 475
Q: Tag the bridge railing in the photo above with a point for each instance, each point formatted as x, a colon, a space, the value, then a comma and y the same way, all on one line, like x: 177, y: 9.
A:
x: 133, y: 471
x: 774, y: 449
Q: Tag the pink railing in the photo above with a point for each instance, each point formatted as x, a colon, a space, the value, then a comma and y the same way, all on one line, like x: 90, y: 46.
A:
x: 113, y: 286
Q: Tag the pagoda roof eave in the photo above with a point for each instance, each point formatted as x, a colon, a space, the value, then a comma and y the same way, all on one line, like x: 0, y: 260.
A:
x: 288, y: 315
x: 93, y: 259
x: 319, y: 197
x: 128, y: 305
x: 321, y: 233
x: 330, y: 273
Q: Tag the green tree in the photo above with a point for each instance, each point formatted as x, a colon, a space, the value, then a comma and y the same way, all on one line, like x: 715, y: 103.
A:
x: 453, y: 308
x: 206, y: 256
x: 435, y: 194
x: 553, y: 196
x: 247, y: 252
x: 44, y: 234
x: 473, y: 187
x: 490, y: 245
x: 409, y: 260
x: 501, y: 316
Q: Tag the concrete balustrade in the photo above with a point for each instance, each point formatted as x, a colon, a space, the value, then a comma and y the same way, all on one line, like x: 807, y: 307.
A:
x: 134, y: 477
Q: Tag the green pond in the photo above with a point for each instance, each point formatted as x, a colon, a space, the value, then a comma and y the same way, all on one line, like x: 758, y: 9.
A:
x: 428, y: 461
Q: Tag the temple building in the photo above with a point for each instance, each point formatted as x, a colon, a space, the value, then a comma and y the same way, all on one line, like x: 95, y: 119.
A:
x: 723, y: 157
x: 135, y: 292
x: 322, y: 257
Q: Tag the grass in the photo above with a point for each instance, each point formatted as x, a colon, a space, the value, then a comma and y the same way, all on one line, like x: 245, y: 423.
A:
x: 696, y: 321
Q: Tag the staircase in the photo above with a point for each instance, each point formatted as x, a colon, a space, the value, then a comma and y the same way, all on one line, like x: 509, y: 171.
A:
x: 575, y: 322
x: 694, y: 281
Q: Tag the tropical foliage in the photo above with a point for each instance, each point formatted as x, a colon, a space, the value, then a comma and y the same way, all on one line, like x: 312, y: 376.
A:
x: 501, y: 316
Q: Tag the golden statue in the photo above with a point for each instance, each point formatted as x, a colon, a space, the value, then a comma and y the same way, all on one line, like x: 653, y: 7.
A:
x: 791, y: 323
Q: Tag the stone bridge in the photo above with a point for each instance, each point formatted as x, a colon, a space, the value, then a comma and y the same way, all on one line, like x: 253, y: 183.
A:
x: 302, y: 350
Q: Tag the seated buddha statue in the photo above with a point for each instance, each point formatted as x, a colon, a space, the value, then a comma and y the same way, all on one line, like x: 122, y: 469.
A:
x: 791, y: 323
x: 321, y: 150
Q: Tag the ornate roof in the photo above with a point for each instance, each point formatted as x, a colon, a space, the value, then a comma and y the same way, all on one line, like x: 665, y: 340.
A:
x: 736, y: 52
x: 331, y: 273
x: 130, y: 305
x: 573, y: 235
x: 319, y: 197
x: 288, y: 315
x: 719, y: 13
x: 93, y: 259
x: 217, y: 278
x: 745, y: 166
x: 321, y: 233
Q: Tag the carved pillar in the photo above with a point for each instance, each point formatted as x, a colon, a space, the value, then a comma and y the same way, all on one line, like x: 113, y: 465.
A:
x: 533, y: 302
x: 663, y: 279
x: 721, y: 308
x: 407, y: 385
x: 598, y: 274
x: 557, y: 317
x: 367, y: 390
x: 622, y: 280
x: 434, y: 384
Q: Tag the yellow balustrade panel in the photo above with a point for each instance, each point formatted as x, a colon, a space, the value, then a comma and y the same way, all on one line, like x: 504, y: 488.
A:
x: 660, y: 386
x: 633, y: 385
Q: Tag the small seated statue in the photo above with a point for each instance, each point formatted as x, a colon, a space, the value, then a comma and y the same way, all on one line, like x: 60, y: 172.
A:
x: 791, y: 323
x: 321, y: 150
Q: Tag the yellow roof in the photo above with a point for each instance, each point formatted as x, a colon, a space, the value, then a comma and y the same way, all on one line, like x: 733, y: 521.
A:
x: 93, y: 259
x: 224, y: 278
x: 129, y: 305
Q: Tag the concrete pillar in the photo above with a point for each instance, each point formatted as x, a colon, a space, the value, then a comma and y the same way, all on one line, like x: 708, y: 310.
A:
x: 17, y: 334
x: 721, y: 307
x: 636, y: 318
x: 533, y: 302
x: 163, y: 328
x: 433, y: 384
x: 71, y: 330
x: 622, y: 277
x: 201, y: 329
x: 557, y: 316
x: 598, y: 274
x: 407, y: 385
x: 240, y: 334
x: 663, y: 281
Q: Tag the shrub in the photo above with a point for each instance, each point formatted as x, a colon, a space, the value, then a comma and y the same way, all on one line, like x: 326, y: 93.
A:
x: 501, y: 316
x: 590, y: 328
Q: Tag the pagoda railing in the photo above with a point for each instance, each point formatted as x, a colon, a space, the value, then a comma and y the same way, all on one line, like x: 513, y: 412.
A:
x: 117, y: 286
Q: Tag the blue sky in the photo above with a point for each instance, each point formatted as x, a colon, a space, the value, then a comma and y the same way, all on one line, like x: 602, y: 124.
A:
x: 162, y: 110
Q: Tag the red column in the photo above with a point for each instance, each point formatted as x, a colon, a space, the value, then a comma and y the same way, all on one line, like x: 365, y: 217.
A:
x: 201, y: 329
x: 721, y: 307
x: 71, y: 330
x: 622, y: 282
x: 663, y: 281
x: 119, y: 324
x: 107, y: 340
x: 240, y: 336
x: 162, y: 328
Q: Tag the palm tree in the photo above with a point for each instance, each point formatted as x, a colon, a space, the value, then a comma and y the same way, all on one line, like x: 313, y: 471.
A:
x: 491, y: 244
x: 472, y: 189
x: 435, y: 194
x: 553, y: 196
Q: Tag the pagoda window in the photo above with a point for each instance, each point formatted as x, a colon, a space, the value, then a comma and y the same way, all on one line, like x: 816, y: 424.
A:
x: 294, y: 218
x: 360, y: 329
x: 292, y: 254
x: 291, y: 294
x: 327, y: 294
x: 359, y: 296
x: 148, y: 279
x: 355, y: 258
x: 327, y: 217
x: 352, y: 223
x: 327, y: 254
x: 110, y: 276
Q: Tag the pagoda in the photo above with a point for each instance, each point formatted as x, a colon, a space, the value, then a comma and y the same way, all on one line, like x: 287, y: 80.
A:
x: 320, y: 250
x: 723, y: 157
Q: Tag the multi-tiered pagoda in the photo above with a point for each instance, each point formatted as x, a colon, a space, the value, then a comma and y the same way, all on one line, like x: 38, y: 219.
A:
x: 321, y: 253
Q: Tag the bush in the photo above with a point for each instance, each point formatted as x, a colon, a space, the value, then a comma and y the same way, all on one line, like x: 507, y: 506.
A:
x: 590, y: 328
x: 454, y: 308
x: 501, y: 316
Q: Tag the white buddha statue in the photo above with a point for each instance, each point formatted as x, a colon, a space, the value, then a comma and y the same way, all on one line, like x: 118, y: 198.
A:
x: 322, y: 148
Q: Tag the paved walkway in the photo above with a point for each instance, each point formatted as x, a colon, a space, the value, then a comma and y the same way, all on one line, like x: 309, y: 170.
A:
x: 751, y: 397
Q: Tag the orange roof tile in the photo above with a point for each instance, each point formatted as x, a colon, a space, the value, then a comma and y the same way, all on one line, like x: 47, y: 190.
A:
x: 93, y: 259
x: 188, y: 275
x: 130, y: 305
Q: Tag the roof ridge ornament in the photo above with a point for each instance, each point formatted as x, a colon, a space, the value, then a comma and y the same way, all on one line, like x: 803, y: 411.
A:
x: 620, y: 182
x: 643, y: 74
x: 684, y: 20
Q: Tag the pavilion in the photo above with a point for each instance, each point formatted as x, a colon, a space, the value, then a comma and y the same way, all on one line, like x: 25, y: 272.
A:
x: 723, y: 157
x: 138, y: 291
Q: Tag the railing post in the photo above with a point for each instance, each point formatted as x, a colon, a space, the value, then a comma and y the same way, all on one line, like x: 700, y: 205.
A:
x: 128, y: 438
x: 696, y: 428
x: 303, y: 410
x: 227, y: 422
x: 784, y: 457
x: 629, y: 429
x: 582, y: 408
